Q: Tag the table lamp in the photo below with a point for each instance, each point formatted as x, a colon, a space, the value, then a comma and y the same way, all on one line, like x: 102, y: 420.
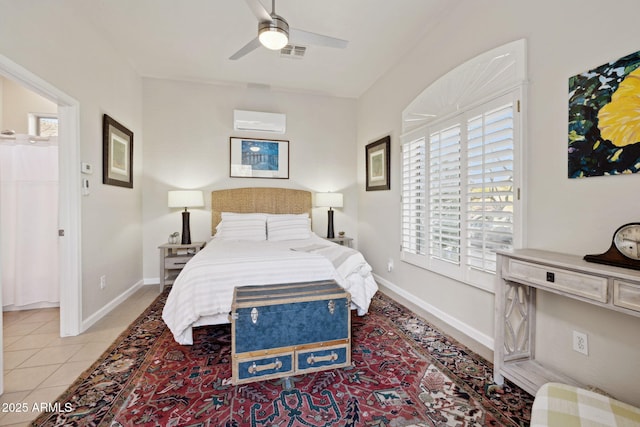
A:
x: 185, y: 199
x: 330, y: 200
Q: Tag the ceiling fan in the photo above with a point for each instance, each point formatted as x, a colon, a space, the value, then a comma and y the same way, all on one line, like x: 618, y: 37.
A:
x: 274, y: 32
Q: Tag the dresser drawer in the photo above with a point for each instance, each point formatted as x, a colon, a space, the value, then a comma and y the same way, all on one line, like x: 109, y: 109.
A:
x: 176, y: 261
x: 263, y: 367
x: 626, y: 294
x: 317, y: 359
x: 587, y: 286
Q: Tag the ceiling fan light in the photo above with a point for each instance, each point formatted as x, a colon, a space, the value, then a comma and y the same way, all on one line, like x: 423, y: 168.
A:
x: 273, y: 39
x: 274, y: 34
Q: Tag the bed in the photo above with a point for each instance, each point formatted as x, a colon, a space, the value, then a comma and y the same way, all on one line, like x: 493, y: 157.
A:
x: 238, y: 255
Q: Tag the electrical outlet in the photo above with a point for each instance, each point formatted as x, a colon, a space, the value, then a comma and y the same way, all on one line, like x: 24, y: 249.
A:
x: 580, y: 343
x: 390, y: 265
x: 103, y: 282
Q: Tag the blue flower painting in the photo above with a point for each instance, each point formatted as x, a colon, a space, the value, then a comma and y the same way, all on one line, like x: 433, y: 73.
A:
x: 604, y: 123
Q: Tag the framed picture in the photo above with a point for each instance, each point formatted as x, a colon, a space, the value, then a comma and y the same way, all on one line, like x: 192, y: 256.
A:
x: 378, y: 163
x: 117, y: 153
x: 259, y: 158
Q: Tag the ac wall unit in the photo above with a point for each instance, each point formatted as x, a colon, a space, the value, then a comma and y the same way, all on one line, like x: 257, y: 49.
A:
x: 256, y: 121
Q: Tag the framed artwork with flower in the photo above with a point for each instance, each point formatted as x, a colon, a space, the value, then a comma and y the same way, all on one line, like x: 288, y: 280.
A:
x: 604, y: 124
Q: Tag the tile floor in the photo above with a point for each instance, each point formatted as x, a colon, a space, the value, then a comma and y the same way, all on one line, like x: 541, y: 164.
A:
x: 39, y: 365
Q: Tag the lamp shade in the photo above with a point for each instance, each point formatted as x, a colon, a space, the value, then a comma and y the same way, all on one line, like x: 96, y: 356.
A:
x: 331, y: 200
x: 185, y: 199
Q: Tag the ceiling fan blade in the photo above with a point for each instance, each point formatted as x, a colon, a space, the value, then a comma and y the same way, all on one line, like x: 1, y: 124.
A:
x: 305, y: 37
x: 249, y: 47
x: 258, y: 10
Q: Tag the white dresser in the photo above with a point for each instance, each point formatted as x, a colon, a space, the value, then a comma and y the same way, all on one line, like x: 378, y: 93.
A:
x: 524, y: 272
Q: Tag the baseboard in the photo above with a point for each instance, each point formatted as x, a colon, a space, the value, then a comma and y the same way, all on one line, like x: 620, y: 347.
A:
x: 91, y: 320
x: 33, y: 306
x: 152, y: 281
x: 466, y: 329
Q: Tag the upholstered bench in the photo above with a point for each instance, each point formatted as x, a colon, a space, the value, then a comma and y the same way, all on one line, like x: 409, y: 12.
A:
x: 562, y: 405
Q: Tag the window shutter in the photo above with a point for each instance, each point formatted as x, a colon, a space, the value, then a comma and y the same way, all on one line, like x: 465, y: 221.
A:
x: 414, y: 193
x: 444, y: 194
x: 490, y: 186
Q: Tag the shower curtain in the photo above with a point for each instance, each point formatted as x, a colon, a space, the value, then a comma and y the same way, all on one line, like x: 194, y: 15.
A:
x: 29, y: 221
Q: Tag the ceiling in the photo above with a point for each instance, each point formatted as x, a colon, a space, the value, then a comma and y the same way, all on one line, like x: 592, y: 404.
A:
x: 192, y: 40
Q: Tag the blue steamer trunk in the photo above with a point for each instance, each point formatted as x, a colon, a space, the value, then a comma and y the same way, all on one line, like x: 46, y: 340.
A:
x: 288, y: 329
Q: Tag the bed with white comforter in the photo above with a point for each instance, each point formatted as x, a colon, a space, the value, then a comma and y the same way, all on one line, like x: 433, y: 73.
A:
x: 203, y: 292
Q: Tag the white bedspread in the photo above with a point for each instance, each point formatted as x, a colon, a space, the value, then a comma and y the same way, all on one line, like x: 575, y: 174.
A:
x: 205, y: 286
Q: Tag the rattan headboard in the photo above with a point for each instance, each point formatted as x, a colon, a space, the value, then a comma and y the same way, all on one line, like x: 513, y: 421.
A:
x: 258, y: 199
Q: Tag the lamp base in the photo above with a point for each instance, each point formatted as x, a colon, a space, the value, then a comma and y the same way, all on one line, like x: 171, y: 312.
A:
x: 186, y: 232
x: 330, y: 233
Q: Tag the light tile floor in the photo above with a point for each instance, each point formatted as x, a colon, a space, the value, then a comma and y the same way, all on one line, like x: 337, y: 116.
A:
x: 39, y: 365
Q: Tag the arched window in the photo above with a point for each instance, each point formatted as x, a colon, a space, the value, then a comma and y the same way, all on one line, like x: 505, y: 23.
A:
x: 461, y: 169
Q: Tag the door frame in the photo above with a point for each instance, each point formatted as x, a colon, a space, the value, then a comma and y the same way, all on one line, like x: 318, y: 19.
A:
x: 69, y: 197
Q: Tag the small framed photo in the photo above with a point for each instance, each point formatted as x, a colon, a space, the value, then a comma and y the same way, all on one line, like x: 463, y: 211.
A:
x: 378, y: 163
x: 117, y: 153
x: 259, y: 158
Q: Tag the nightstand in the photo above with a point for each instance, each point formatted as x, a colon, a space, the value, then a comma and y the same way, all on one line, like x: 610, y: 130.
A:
x: 344, y: 241
x: 173, y: 258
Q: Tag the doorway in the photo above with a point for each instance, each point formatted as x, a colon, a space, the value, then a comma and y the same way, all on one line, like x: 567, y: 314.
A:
x: 28, y: 201
x: 69, y: 214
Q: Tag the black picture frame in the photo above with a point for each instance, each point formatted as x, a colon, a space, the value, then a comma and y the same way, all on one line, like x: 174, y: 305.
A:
x: 117, y: 153
x: 378, y: 164
x: 258, y: 158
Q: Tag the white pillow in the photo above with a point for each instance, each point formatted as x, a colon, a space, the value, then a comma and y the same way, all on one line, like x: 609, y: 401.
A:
x: 288, y: 227
x: 237, y: 226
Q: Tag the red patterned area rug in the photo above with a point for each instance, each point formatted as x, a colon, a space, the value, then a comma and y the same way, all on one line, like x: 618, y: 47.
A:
x: 404, y: 373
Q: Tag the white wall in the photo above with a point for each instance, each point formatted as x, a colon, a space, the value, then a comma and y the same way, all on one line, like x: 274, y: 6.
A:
x: 2, y: 80
x: 572, y: 216
x: 18, y: 102
x: 187, y: 129
x: 48, y: 39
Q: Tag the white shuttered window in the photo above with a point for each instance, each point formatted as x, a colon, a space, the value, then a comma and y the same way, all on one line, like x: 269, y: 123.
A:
x: 414, y: 193
x: 459, y: 185
x: 490, y: 186
x: 445, y: 203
